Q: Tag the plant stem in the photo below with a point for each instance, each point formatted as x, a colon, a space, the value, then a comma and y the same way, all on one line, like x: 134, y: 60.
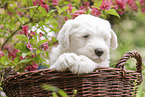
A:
x: 13, y: 34
x: 30, y: 20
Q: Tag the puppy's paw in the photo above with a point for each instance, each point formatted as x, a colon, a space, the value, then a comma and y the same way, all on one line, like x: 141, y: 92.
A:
x: 64, y: 62
x: 82, y: 65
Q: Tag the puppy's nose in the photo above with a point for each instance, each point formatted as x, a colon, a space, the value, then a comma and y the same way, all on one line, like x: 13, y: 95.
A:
x: 99, y: 52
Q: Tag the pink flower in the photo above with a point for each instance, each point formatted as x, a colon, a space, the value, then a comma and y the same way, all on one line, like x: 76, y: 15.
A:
x: 86, y: 6
x: 19, y: 13
x: 45, y: 45
x: 70, y: 7
x: 9, y: 13
x: 77, y: 13
x: 12, y: 54
x: 32, y: 34
x: 21, y: 58
x: 35, y: 2
x: 24, y: 30
x: 33, y: 56
x: 121, y: 4
x: 66, y: 18
x: 55, y: 2
x: 1, y: 54
x: 82, y: 7
x: 96, y: 12
x: 42, y: 3
x: 40, y: 34
x: 132, y: 4
x: 142, y: 2
x: 106, y: 4
x: 143, y: 10
x: 121, y: 12
x: 32, y: 67
x: 29, y: 46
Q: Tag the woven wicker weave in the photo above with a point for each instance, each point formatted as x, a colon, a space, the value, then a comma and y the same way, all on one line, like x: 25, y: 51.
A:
x: 103, y: 82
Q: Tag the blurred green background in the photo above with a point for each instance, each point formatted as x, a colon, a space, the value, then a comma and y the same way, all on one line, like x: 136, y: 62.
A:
x: 130, y: 31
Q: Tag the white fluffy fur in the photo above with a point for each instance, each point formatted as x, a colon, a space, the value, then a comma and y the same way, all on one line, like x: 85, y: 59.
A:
x: 75, y: 52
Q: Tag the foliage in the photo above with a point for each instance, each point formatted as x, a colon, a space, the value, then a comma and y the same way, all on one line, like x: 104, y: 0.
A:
x: 55, y: 90
x: 24, y: 39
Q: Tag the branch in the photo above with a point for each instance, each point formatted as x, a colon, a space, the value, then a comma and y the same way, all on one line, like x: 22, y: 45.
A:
x: 13, y: 34
x: 30, y: 20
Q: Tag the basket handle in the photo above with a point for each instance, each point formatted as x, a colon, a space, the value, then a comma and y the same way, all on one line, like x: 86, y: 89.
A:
x: 126, y: 56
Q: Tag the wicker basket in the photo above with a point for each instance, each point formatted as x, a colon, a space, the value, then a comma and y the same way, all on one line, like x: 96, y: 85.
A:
x: 103, y: 82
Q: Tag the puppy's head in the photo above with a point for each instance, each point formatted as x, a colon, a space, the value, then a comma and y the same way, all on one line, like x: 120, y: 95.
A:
x: 64, y: 34
x: 89, y: 36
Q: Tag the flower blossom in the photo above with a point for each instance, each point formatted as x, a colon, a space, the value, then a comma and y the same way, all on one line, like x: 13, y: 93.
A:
x: 132, y: 4
x: 32, y: 34
x: 121, y: 4
x: 70, y: 7
x: 96, y: 12
x: 32, y: 67
x: 12, y: 54
x: 29, y: 46
x: 24, y: 30
x: 143, y: 10
x: 42, y: 3
x: 55, y: 2
x: 21, y: 58
x: 45, y: 46
x: 40, y: 34
x: 77, y: 13
x: 142, y: 2
x: 66, y: 18
x: 1, y: 54
x: 106, y: 4
x: 85, y: 6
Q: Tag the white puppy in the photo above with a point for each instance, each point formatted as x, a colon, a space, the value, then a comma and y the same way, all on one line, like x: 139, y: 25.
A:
x: 84, y: 44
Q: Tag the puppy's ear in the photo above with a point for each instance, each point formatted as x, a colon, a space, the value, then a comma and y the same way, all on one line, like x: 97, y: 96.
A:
x: 113, y: 43
x: 64, y: 33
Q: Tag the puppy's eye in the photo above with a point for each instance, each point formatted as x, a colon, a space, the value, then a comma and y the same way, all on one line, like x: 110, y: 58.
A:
x: 86, y: 36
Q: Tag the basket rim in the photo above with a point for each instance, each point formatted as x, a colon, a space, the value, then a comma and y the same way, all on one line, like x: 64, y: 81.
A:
x: 43, y: 71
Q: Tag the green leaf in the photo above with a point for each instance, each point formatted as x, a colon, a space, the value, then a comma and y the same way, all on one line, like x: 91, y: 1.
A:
x: 112, y: 12
x: 24, y: 54
x: 55, y: 89
x: 50, y: 12
x: 41, y: 42
x: 73, y: 10
x: 4, y: 30
x: 53, y: 40
x: 32, y: 41
x: 49, y: 87
x: 54, y: 94
x: 25, y: 60
x: 3, y: 59
x: 24, y: 19
x: 1, y: 88
x: 6, y: 63
x: 64, y: 8
x: 22, y: 37
x: 38, y: 52
x: 58, y: 9
x: 62, y: 93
